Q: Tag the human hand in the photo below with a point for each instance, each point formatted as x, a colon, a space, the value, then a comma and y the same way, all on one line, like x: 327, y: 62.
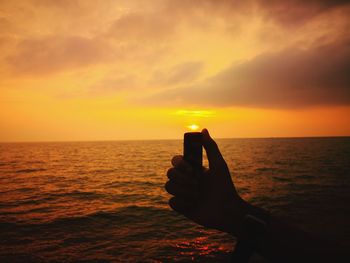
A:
x: 211, y: 199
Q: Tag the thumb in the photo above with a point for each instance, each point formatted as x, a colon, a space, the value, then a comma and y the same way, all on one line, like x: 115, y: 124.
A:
x: 216, y: 161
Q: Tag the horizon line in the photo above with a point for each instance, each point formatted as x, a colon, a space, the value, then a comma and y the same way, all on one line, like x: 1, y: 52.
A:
x: 176, y: 139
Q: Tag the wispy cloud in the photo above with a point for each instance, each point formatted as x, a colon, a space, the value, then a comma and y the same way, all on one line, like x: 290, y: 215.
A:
x: 178, y: 74
x: 49, y: 54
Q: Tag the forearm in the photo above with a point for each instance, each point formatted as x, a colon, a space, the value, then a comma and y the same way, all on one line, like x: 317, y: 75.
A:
x: 283, y: 242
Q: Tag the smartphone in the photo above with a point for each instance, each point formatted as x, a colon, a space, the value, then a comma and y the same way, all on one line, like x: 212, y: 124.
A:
x: 193, y: 150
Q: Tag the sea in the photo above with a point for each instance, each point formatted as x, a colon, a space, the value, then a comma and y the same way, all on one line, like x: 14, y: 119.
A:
x: 105, y: 201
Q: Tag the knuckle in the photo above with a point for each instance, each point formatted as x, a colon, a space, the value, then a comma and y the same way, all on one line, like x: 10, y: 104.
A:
x: 173, y: 204
x: 172, y: 188
x: 174, y: 174
x: 172, y: 201
x: 176, y: 160
x: 170, y: 172
x: 167, y: 187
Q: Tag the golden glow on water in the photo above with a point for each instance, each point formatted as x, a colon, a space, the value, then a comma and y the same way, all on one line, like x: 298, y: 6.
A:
x: 112, y: 191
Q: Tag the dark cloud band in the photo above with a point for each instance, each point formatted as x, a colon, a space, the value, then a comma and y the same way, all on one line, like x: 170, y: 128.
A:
x: 292, y: 78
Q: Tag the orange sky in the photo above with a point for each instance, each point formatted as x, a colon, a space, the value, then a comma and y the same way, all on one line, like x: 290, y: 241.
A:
x: 82, y: 70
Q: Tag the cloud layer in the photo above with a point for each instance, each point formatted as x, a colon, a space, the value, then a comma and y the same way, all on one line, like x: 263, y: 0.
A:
x: 288, y: 79
x: 283, y: 54
x: 54, y: 53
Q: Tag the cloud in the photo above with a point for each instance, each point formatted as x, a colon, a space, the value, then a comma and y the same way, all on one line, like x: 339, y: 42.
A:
x: 5, y: 26
x: 54, y: 36
x: 137, y: 26
x: 291, y: 78
x: 65, y: 36
x: 113, y: 84
x: 179, y: 74
x: 49, y: 54
x: 297, y: 12
x: 284, y: 13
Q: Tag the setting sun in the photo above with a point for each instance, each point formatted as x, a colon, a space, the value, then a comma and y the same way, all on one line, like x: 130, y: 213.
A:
x: 193, y: 127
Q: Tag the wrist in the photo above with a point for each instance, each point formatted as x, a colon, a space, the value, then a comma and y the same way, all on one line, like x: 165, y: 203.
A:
x: 237, y: 212
x: 246, y: 210
x: 254, y: 227
x: 250, y: 233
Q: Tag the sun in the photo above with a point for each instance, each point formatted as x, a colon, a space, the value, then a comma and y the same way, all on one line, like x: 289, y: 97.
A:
x: 193, y: 127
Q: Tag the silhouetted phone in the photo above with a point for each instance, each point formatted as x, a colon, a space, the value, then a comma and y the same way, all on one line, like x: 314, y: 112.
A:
x: 193, y: 150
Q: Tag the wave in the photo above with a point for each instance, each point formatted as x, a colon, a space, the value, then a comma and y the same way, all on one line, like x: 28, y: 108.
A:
x: 268, y: 169
x: 33, y: 170
x: 281, y: 179
x: 102, y: 171
x: 123, y: 216
x: 48, y: 197
x: 133, y: 184
x: 305, y: 176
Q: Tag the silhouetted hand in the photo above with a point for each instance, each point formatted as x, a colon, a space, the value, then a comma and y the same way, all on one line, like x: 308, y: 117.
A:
x: 211, y: 199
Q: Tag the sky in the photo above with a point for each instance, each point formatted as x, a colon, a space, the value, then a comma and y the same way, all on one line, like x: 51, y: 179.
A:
x: 147, y: 69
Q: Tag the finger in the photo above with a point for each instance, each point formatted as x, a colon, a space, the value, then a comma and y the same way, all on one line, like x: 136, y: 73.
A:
x: 216, y: 161
x: 182, y: 206
x: 180, y: 177
x: 181, y: 164
x: 176, y: 160
x: 180, y: 190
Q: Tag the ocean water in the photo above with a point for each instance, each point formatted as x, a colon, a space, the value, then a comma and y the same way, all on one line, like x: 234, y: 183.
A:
x: 105, y: 202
